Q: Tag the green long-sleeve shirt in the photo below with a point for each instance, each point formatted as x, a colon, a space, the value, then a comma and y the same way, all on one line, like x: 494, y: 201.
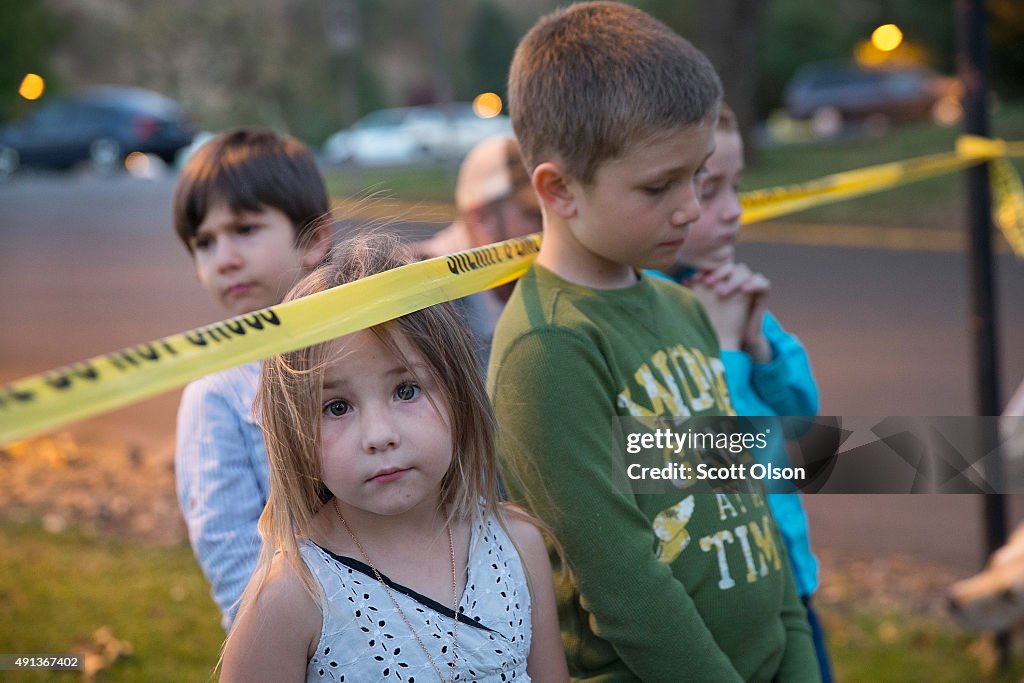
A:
x: 658, y: 587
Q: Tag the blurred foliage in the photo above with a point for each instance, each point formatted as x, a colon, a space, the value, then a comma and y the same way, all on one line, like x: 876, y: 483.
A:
x: 797, y: 32
x: 1007, y: 46
x: 28, y: 31
x: 228, y: 64
x: 273, y: 63
x: 491, y: 39
x: 727, y: 31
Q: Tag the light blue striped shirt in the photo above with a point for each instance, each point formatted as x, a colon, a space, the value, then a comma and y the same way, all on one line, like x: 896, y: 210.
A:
x: 221, y: 470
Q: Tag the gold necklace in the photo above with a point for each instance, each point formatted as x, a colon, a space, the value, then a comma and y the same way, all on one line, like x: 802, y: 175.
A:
x: 401, y: 612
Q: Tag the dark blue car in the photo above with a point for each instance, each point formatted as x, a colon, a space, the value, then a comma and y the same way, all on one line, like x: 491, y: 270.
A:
x: 101, y: 125
x: 848, y: 92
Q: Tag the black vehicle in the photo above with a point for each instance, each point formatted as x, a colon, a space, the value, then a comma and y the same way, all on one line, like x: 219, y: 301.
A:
x: 101, y: 125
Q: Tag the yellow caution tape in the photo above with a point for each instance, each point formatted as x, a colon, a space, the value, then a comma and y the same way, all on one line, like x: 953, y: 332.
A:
x: 988, y: 148
x: 762, y: 205
x: 41, y: 402
x: 1008, y: 203
x: 975, y: 147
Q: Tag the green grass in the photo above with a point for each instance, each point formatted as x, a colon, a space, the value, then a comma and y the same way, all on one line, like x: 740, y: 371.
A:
x: 435, y: 183
x: 897, y: 648
x: 56, y: 590
x: 934, y: 203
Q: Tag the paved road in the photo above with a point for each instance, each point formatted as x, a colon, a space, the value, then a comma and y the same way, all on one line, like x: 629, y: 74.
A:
x: 90, y: 265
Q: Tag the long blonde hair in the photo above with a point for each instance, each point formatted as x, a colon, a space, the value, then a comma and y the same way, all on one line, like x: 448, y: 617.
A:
x: 289, y: 400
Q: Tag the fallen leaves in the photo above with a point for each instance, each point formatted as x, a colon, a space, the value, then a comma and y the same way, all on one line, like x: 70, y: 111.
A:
x: 108, y: 487
x: 100, y: 652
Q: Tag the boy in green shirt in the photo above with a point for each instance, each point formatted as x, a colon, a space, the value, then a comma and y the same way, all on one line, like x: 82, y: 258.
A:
x: 615, y: 115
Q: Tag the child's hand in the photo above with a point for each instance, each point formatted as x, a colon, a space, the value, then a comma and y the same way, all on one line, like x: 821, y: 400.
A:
x: 754, y: 342
x: 720, y: 290
x: 734, y: 297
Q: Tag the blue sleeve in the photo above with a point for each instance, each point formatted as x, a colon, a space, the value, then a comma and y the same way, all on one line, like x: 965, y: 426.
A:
x: 792, y: 520
x: 786, y: 382
x: 786, y: 385
x: 221, y: 492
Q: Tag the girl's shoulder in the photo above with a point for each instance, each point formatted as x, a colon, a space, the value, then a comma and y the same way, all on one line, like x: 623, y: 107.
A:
x: 285, y: 592
x: 276, y: 628
x: 525, y: 533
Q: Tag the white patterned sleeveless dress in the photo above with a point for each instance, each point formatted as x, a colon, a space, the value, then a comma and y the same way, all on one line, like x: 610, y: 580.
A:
x: 364, y: 638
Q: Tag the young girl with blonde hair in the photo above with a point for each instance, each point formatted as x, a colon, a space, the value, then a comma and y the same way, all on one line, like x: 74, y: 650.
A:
x: 384, y: 521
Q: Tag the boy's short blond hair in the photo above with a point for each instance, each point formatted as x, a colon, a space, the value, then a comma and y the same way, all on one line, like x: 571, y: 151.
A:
x: 589, y: 80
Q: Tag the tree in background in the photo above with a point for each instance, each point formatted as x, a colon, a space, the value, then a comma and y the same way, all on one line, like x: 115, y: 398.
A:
x: 798, y: 32
x: 280, y: 63
x: 728, y: 32
x: 229, y: 65
x: 1007, y: 22
x: 491, y: 39
x: 344, y: 32
x: 28, y: 31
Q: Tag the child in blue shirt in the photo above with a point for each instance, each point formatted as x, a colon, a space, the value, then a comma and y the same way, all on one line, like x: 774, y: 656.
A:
x: 766, y: 368
x: 252, y: 210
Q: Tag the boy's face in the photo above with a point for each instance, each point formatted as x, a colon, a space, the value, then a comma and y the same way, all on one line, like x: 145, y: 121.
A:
x: 638, y: 210
x: 713, y: 237
x: 249, y: 260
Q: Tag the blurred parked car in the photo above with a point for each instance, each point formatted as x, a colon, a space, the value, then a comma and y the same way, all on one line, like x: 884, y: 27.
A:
x: 412, y: 134
x: 831, y: 93
x: 101, y: 125
x: 189, y: 150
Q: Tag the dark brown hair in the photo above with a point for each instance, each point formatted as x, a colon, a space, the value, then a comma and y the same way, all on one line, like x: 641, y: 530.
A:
x: 249, y: 169
x: 591, y: 79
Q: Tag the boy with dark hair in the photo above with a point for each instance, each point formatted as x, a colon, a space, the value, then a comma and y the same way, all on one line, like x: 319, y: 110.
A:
x: 615, y: 115
x: 252, y: 210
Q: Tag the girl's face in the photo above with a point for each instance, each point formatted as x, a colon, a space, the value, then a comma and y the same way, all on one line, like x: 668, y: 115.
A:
x: 386, y: 445
x: 712, y: 239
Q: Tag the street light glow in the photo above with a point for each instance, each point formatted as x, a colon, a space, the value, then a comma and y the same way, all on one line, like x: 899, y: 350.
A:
x: 32, y: 86
x: 887, y: 37
x: 487, y: 105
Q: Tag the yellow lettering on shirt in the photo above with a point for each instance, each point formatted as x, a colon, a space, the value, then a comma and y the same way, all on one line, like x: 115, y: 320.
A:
x: 725, y: 508
x: 718, y: 541
x: 764, y: 540
x: 680, y: 382
x: 670, y: 528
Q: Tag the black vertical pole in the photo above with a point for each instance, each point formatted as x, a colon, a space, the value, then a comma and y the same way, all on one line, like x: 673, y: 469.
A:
x: 973, y: 67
